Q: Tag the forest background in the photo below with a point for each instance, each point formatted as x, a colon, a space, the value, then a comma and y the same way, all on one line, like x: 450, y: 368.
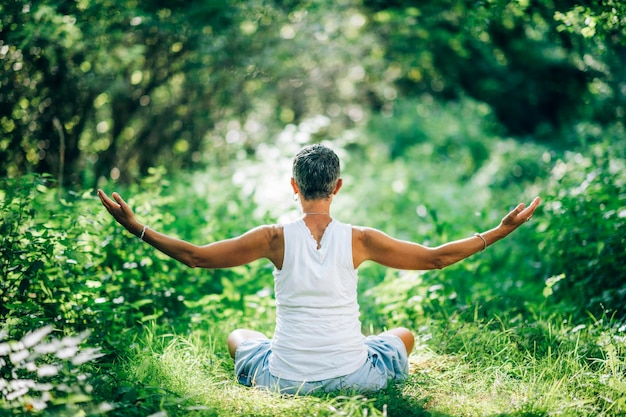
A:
x: 445, y: 115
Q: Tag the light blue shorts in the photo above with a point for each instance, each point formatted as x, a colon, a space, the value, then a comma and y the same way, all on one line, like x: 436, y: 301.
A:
x: 386, y: 361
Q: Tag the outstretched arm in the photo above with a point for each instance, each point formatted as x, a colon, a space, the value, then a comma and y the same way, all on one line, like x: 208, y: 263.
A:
x: 260, y: 242
x: 371, y: 244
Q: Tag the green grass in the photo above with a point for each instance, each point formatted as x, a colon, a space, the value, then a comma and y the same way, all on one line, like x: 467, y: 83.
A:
x: 496, y: 369
x: 193, y: 375
x: 477, y: 368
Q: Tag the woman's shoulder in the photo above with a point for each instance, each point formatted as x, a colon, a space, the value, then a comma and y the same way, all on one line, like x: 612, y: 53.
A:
x: 363, y: 230
x: 365, y: 235
x: 273, y: 230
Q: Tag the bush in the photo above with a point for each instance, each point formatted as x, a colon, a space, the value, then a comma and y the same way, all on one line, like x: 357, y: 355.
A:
x: 66, y: 265
x: 435, y: 193
x: 40, y: 373
x: 584, y: 231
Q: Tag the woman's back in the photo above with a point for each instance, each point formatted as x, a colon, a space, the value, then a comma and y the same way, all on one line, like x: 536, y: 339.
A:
x: 318, y: 331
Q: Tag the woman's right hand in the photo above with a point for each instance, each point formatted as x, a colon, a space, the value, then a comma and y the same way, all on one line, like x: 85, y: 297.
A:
x: 120, y: 211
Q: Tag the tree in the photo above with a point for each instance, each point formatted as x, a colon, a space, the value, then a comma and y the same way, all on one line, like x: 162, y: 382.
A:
x: 95, y: 89
x: 538, y: 64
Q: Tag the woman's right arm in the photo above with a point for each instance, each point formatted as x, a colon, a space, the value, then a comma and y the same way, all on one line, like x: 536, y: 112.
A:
x: 261, y: 242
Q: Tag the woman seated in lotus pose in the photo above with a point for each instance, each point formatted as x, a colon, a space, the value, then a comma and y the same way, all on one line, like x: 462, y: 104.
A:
x: 317, y: 343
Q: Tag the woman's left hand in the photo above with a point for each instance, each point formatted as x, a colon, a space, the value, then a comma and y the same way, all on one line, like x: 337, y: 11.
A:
x: 519, y: 215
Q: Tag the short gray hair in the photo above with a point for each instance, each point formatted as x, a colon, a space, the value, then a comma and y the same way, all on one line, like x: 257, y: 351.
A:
x: 316, y: 171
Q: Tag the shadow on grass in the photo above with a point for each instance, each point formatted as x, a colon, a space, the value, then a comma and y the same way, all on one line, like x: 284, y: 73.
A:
x: 391, y: 401
x: 399, y: 404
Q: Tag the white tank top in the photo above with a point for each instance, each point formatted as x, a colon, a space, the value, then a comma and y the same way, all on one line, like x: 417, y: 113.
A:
x: 318, y: 331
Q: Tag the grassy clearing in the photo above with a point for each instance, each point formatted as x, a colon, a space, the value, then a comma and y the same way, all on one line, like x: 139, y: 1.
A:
x: 193, y: 375
x: 494, y: 368
x: 479, y: 368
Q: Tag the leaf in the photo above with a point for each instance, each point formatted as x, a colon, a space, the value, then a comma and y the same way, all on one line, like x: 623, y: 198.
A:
x: 47, y: 370
x: 150, y: 317
x: 35, y: 337
x: 140, y: 303
x: 18, y: 357
x: 86, y: 356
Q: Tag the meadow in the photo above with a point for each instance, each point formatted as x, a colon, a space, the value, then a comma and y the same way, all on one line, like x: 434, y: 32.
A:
x: 445, y: 115
x: 99, y: 323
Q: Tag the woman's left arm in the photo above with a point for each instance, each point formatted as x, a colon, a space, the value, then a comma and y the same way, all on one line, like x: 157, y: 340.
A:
x: 374, y: 245
x: 453, y: 252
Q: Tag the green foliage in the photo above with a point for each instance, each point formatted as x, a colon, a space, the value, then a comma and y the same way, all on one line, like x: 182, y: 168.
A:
x: 462, y: 130
x: 584, y: 229
x: 66, y: 262
x: 484, y: 325
x: 66, y: 265
x: 39, y: 373
x: 42, y: 254
x: 97, y: 90
x: 508, y: 365
x: 462, y: 178
x: 420, y: 97
x: 529, y: 61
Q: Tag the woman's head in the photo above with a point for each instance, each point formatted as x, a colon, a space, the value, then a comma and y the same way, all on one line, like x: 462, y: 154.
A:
x: 316, y: 172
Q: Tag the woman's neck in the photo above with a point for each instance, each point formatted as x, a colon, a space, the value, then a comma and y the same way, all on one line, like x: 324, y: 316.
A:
x: 316, y: 208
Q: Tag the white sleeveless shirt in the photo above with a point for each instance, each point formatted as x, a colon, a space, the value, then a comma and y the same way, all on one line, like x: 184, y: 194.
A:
x: 318, y: 331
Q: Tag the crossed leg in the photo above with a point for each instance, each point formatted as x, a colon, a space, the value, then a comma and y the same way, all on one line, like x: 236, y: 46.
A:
x: 236, y: 337
x: 405, y: 335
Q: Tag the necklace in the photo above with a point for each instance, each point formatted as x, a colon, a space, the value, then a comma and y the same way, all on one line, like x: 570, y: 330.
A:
x: 304, y: 212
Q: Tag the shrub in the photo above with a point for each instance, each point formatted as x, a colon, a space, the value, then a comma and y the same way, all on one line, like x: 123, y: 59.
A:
x: 66, y: 265
x: 39, y: 372
x: 584, y: 231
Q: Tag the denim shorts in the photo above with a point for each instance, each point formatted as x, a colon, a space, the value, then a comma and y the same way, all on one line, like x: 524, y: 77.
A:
x: 386, y: 361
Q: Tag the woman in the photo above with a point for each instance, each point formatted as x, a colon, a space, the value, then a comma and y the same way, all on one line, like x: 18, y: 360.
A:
x: 317, y: 344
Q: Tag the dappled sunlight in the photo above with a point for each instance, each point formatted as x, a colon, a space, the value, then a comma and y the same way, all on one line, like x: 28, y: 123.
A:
x: 445, y: 116
x: 266, y: 178
x: 495, y: 370
x: 199, y: 378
